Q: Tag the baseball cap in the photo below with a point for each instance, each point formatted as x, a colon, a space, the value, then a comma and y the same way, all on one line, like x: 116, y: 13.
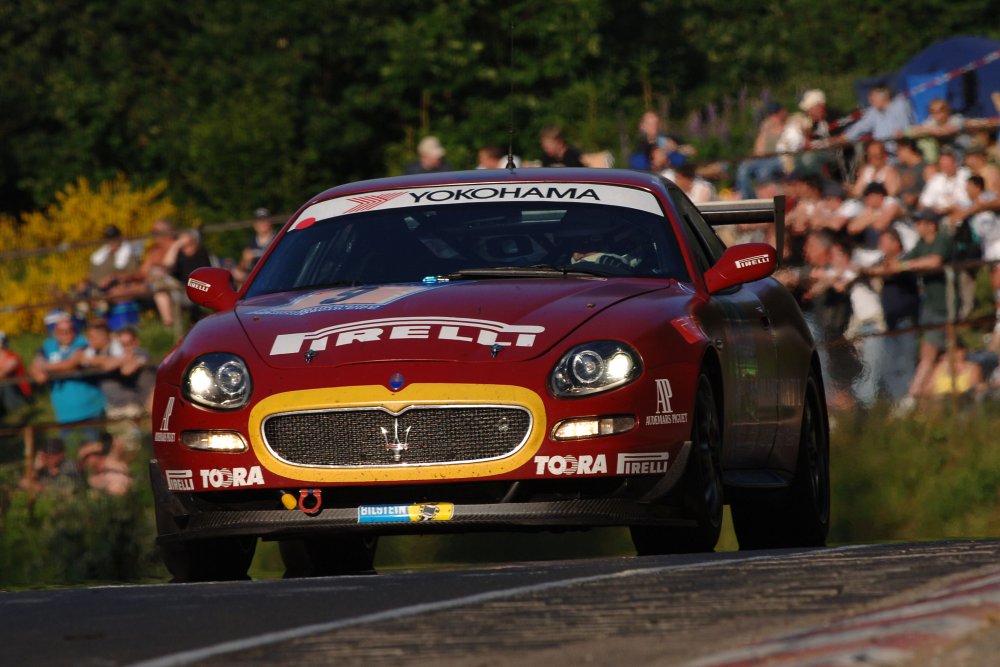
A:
x: 112, y: 232
x: 927, y: 215
x: 811, y: 98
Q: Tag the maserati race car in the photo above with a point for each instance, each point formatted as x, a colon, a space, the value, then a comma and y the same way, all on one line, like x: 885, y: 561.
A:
x: 506, y: 350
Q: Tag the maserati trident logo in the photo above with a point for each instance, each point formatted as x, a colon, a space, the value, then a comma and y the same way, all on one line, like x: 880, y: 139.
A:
x: 396, y: 446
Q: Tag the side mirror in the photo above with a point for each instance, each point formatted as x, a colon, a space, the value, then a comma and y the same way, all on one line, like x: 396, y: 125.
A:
x: 212, y: 287
x: 741, y: 264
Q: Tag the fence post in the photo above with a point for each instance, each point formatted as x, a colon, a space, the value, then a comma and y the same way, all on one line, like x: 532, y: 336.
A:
x: 29, y: 453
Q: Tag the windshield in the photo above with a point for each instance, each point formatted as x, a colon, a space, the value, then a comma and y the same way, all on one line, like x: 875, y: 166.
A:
x: 454, y: 241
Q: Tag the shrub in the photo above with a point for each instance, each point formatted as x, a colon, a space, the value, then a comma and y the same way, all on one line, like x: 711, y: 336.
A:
x: 78, y: 216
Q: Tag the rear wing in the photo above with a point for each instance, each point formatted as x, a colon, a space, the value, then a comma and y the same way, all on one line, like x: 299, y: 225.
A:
x: 749, y: 212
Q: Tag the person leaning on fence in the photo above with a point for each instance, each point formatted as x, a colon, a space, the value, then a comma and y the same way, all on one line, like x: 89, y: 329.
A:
x: 884, y: 119
x: 934, y: 249
x: 876, y: 169
x: 155, y: 271
x: 879, y: 213
x: 942, y: 129
x: 945, y: 192
x: 114, y: 282
x: 765, y: 165
x: 899, y: 295
x: 985, y: 229
x: 15, y: 388
x: 124, y: 374
x: 74, y: 398
x: 186, y: 254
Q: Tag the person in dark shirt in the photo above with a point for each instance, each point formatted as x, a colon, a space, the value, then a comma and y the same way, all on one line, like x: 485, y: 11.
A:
x: 185, y: 255
x: 430, y: 157
x: 555, y: 151
x: 933, y: 250
x: 900, y: 297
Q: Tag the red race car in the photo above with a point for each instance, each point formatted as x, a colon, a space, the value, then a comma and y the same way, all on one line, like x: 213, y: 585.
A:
x: 521, y: 349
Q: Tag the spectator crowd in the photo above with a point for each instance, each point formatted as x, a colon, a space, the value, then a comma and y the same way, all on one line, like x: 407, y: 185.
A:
x: 891, y: 228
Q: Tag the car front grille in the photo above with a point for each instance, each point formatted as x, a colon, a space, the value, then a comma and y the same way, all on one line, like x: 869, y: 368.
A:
x: 366, y: 437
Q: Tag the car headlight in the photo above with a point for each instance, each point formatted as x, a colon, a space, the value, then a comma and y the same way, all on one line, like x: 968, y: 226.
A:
x: 595, y: 367
x: 218, y: 380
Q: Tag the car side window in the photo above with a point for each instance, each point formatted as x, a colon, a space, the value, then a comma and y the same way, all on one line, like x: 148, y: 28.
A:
x: 701, y: 249
x: 710, y: 241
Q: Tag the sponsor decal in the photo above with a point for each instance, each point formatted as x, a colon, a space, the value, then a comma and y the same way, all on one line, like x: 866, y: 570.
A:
x: 180, y: 480
x: 406, y: 513
x: 502, y: 192
x: 751, y: 261
x: 222, y: 478
x: 571, y: 465
x: 368, y: 297
x: 198, y: 285
x: 642, y: 464
x: 165, y: 422
x: 368, y: 202
x: 664, y: 412
x: 164, y: 434
x: 481, y: 332
x: 591, y: 193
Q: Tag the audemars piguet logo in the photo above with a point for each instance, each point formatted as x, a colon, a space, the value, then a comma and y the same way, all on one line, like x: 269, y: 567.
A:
x: 395, y: 446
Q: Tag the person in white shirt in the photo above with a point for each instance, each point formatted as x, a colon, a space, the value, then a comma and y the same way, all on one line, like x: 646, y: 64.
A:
x: 945, y: 191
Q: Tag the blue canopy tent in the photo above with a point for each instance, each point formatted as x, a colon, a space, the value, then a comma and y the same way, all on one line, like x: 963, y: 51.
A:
x: 968, y: 93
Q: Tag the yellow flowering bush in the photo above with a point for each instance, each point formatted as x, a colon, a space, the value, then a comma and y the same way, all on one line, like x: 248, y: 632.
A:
x: 71, y: 228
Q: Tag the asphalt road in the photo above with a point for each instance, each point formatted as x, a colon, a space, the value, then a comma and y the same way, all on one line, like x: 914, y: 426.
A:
x: 884, y: 604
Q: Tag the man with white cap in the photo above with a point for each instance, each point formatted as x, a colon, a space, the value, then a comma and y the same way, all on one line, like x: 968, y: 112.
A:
x: 813, y: 104
x: 430, y: 154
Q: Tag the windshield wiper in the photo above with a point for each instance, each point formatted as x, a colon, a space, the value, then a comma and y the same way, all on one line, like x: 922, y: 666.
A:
x: 533, y: 271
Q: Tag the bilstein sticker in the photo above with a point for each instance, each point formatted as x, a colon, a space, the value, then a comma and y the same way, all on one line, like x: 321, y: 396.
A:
x: 406, y: 513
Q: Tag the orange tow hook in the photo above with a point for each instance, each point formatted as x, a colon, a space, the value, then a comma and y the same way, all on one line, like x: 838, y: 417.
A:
x: 310, y: 500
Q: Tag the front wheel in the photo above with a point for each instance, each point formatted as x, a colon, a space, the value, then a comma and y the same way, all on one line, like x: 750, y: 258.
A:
x: 702, y: 493
x: 221, y: 559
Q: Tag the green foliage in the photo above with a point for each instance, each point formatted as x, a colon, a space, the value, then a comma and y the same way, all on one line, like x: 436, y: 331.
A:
x: 72, y: 537
x: 933, y: 476
x: 244, y: 104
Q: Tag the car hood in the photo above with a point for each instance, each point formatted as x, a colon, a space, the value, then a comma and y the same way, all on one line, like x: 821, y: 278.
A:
x: 475, y: 320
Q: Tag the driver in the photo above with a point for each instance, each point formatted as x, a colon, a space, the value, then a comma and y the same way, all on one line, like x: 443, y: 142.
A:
x: 607, y: 259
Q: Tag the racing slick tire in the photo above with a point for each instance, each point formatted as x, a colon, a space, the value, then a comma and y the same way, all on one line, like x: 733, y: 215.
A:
x: 328, y: 556
x: 799, y: 515
x: 219, y: 559
x: 702, y: 492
